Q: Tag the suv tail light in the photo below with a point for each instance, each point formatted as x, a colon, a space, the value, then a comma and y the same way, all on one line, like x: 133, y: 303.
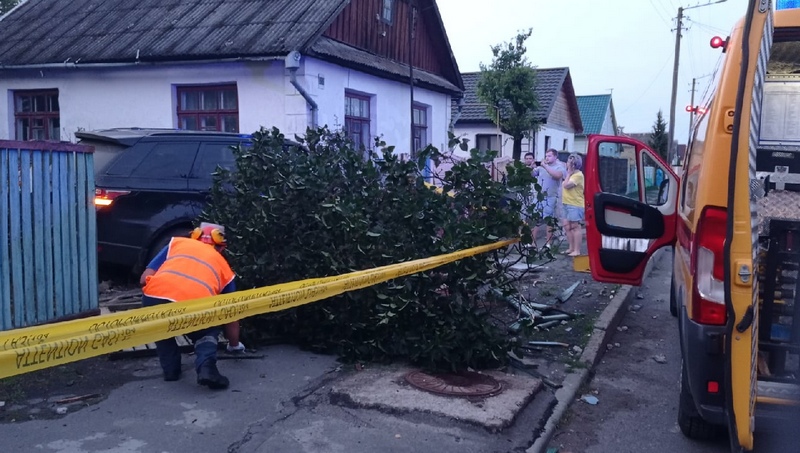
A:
x: 708, y: 267
x: 104, y: 198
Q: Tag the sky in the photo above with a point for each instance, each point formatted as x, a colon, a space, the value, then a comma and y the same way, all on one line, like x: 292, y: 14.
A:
x: 622, y: 47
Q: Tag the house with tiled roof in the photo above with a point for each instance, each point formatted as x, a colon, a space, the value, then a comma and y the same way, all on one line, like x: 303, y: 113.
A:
x: 231, y: 65
x: 558, y: 115
x: 597, y: 116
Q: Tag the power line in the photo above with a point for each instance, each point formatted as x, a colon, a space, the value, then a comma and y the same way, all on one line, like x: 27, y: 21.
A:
x: 659, y: 13
x: 648, y: 86
x: 707, y: 27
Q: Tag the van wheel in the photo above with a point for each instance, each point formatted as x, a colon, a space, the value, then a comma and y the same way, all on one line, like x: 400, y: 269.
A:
x: 692, y: 425
x: 673, y: 301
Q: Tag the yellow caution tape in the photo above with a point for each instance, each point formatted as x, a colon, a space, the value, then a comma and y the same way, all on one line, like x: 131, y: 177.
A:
x: 34, y: 348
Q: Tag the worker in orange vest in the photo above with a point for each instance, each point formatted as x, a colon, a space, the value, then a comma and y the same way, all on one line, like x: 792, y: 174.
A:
x: 186, y: 269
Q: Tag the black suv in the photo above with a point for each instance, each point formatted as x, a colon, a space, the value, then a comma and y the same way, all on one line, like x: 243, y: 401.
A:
x: 150, y: 185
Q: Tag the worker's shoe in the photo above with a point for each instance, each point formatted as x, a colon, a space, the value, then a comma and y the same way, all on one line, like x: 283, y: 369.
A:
x: 234, y: 349
x: 208, y: 375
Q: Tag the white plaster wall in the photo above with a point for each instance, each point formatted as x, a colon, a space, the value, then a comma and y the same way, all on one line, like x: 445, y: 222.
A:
x: 608, y: 125
x: 144, y: 96
x: 469, y: 131
x: 581, y: 144
x: 557, y: 137
x: 390, y: 107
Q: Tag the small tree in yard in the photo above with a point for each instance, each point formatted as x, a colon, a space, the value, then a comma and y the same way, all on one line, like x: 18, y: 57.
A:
x: 321, y: 209
x: 659, y: 138
x: 508, y: 87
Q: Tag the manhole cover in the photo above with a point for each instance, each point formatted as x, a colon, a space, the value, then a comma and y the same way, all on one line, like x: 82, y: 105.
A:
x: 466, y: 383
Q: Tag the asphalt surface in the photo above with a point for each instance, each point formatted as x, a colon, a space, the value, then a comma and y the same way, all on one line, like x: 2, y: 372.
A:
x: 637, y: 395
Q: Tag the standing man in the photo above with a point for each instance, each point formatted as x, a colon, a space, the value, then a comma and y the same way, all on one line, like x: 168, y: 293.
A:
x: 189, y: 269
x: 549, y: 175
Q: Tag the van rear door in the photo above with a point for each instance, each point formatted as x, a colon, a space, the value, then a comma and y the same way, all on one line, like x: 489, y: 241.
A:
x: 631, y: 196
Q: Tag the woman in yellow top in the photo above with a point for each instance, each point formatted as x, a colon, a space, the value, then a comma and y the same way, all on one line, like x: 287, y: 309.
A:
x: 573, y: 202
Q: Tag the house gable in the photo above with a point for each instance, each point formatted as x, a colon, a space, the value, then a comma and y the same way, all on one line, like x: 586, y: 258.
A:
x: 362, y: 25
x: 551, y: 85
x: 597, y: 114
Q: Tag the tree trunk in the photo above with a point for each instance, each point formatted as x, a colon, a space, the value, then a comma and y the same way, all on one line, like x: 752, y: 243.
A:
x: 517, y: 153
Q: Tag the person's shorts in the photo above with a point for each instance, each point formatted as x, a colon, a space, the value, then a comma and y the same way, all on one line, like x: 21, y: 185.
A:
x: 573, y: 213
x: 547, y: 207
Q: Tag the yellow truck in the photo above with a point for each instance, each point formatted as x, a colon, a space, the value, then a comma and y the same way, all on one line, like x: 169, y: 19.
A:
x: 732, y: 217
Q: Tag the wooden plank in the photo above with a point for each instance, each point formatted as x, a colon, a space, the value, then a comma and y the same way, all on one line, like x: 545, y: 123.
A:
x: 16, y: 238
x: 38, y: 202
x: 82, y: 227
x: 71, y: 271
x: 62, y: 220
x: 5, y: 260
x: 48, y: 197
x: 91, y: 233
x: 28, y: 293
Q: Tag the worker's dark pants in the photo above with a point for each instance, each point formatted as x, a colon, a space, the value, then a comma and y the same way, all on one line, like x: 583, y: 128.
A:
x: 205, y: 344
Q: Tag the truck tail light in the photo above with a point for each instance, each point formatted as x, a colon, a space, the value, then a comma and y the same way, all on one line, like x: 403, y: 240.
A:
x: 103, y: 198
x: 708, y: 267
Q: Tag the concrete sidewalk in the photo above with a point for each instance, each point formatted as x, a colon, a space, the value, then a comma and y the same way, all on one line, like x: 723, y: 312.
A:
x: 295, y: 401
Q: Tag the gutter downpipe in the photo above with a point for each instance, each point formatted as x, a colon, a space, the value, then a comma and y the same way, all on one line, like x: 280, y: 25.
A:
x: 455, y: 118
x: 292, y: 64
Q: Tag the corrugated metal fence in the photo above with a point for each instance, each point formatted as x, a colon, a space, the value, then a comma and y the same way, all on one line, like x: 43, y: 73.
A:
x: 48, y: 239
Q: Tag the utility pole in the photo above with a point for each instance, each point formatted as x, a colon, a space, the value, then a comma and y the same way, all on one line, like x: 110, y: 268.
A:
x: 678, y: 30
x: 691, y: 113
x: 671, y: 134
x: 412, y: 22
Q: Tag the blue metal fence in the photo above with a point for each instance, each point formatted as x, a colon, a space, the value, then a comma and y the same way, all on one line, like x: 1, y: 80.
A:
x: 48, y: 237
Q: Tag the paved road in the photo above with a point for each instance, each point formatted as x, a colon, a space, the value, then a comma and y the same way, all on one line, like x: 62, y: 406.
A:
x: 637, y: 408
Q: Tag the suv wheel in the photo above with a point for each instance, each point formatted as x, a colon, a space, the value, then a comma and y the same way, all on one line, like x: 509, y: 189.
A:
x: 163, y: 240
x: 692, y: 425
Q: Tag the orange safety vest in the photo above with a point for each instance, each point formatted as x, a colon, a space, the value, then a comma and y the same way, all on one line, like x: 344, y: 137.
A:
x: 192, y: 270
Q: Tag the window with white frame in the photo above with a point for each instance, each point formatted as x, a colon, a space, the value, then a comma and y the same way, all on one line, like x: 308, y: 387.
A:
x: 208, y: 108
x: 487, y: 142
x: 419, y: 126
x: 356, y: 119
x: 387, y: 12
x: 36, y: 115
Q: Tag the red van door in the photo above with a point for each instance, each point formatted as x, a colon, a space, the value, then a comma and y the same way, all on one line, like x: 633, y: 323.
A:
x: 631, y: 207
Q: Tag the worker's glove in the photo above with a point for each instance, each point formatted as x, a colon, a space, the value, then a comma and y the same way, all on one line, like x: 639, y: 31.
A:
x: 239, y: 348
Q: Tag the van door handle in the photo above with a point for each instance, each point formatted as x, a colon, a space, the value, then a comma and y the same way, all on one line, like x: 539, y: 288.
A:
x: 747, y: 320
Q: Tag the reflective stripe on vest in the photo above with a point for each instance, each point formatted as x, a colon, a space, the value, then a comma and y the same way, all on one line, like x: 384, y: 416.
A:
x: 191, y: 270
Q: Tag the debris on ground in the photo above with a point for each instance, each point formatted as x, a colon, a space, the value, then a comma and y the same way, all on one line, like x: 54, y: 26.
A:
x: 548, y: 344
x: 660, y: 358
x: 590, y: 399
x: 564, y: 296
x: 74, y: 399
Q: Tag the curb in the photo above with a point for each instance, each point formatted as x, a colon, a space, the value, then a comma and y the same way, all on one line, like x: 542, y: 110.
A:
x: 592, y: 354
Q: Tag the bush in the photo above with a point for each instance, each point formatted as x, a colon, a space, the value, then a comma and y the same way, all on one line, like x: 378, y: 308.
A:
x: 321, y: 209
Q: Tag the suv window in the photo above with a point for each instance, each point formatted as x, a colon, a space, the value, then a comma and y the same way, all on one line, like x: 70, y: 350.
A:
x: 212, y: 155
x: 167, y: 161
